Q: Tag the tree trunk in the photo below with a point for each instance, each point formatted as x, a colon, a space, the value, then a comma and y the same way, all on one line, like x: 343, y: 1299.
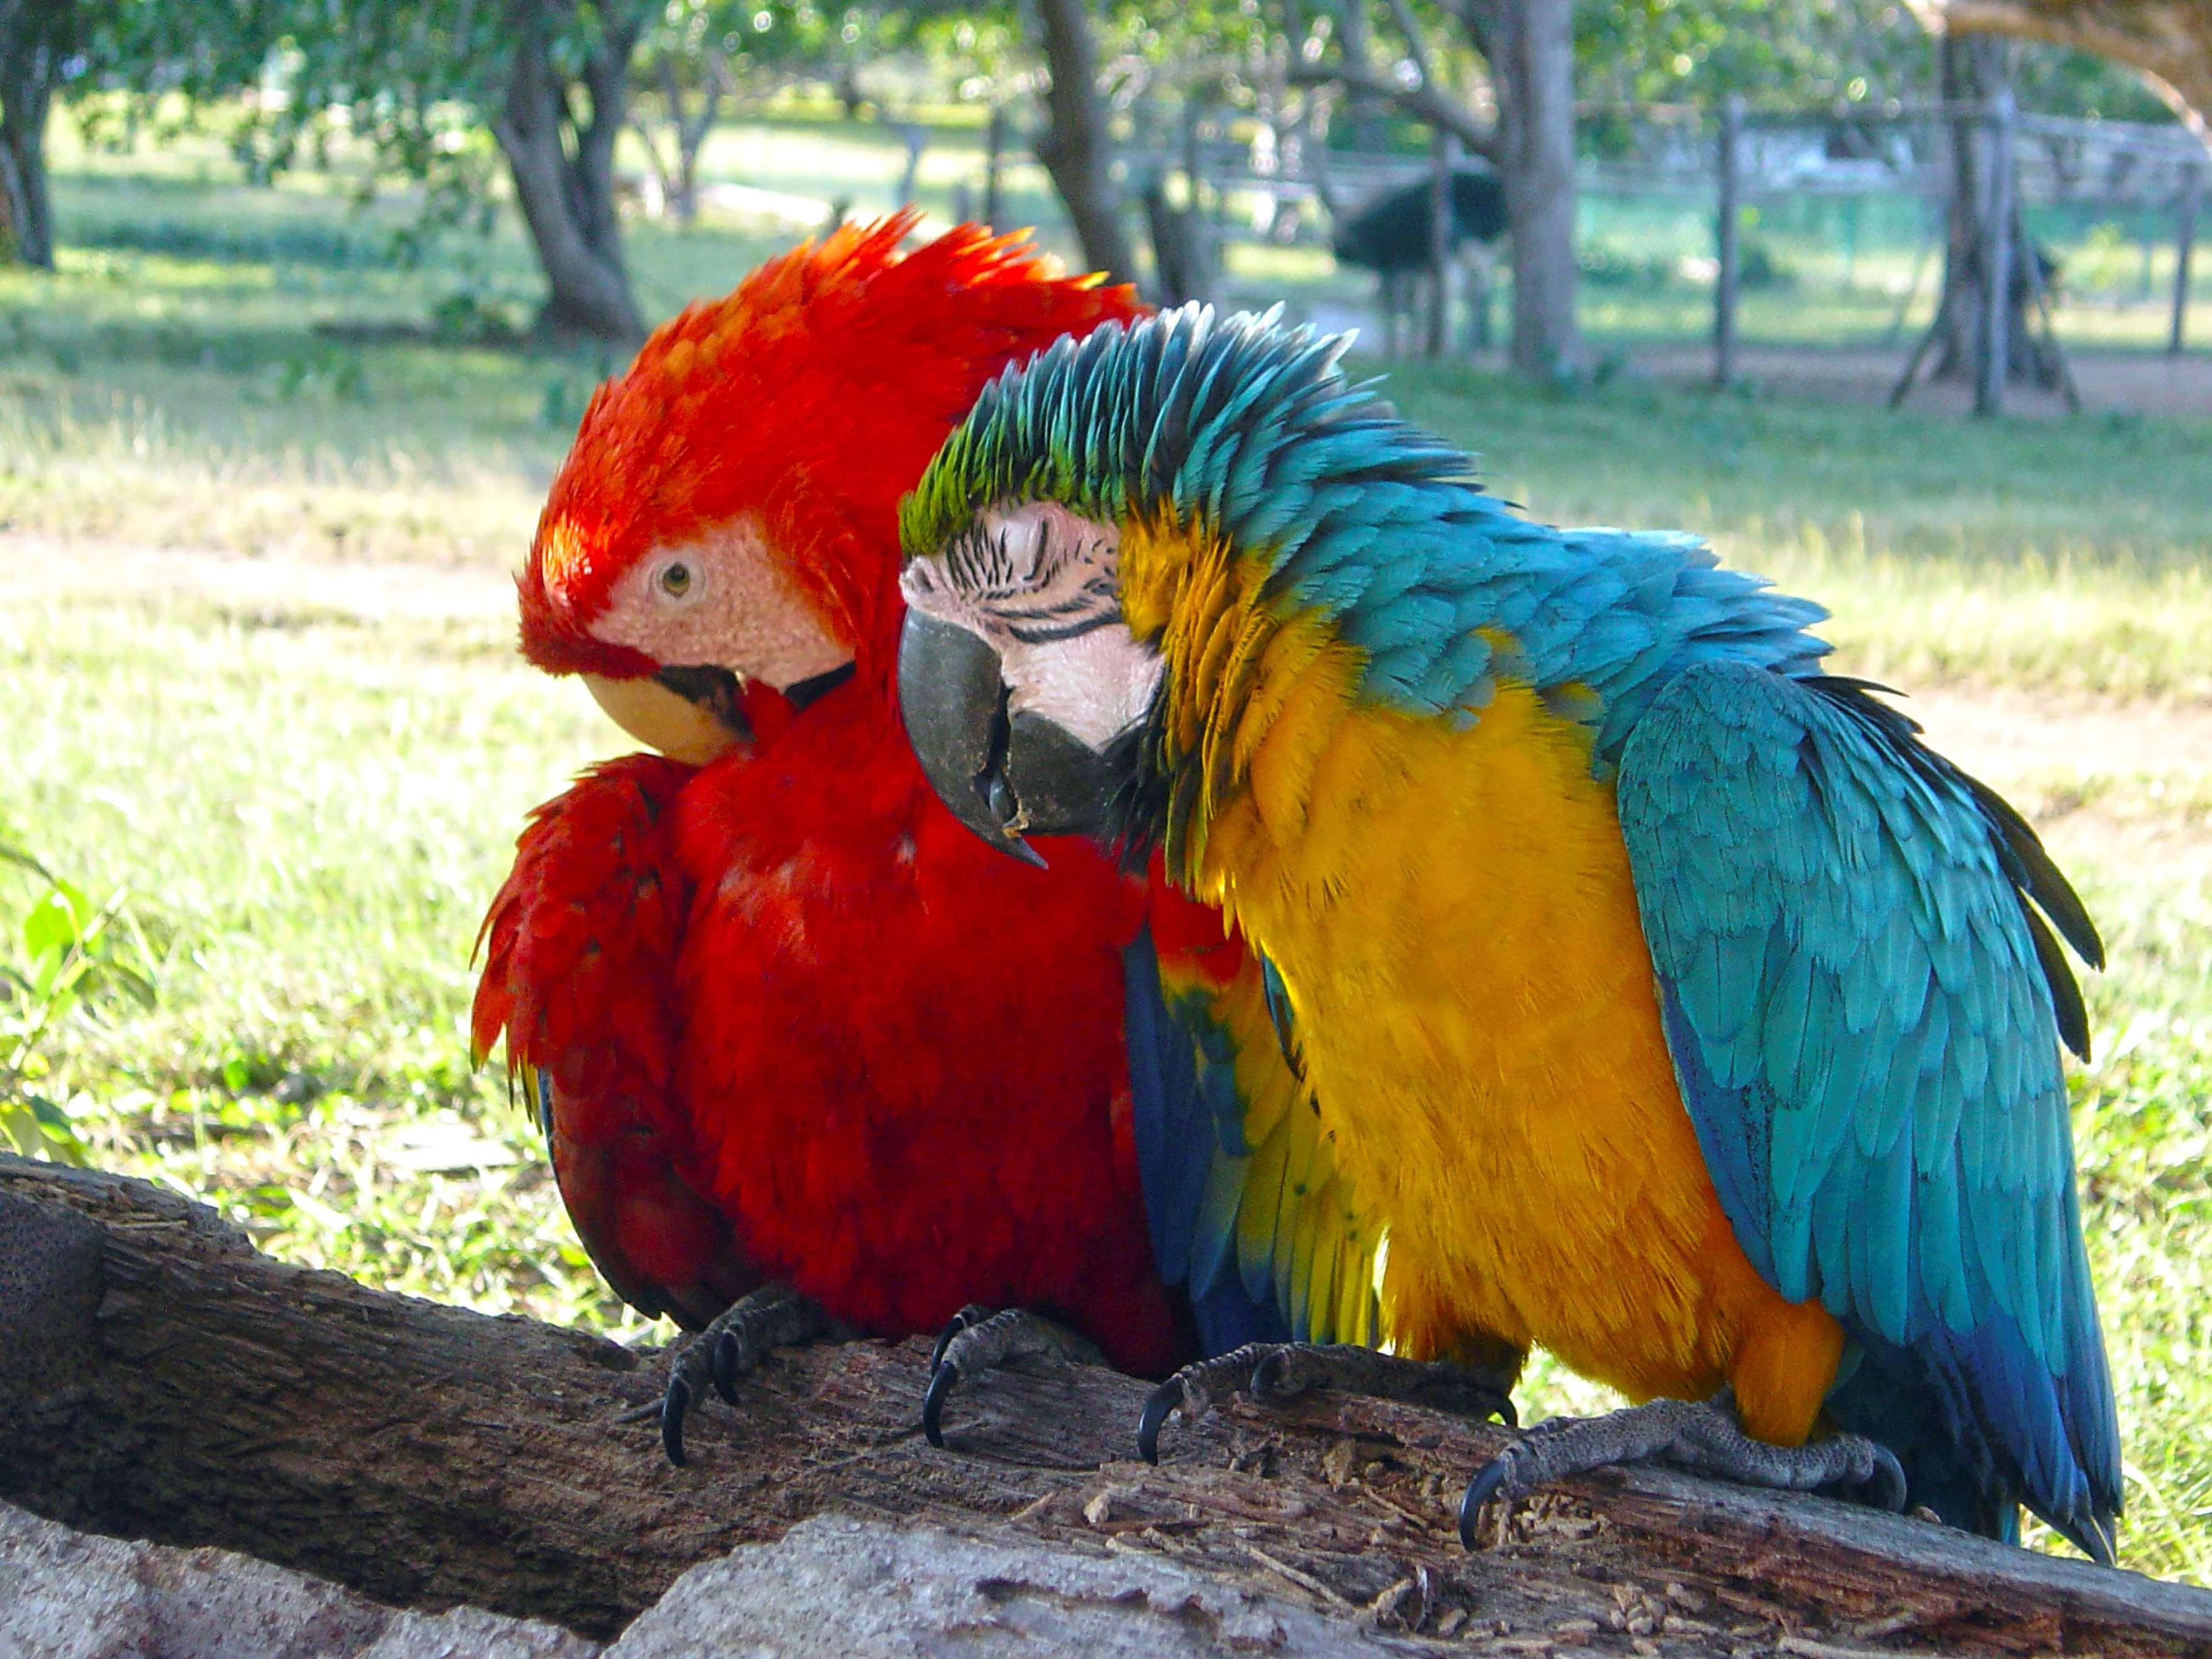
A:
x: 159, y: 1378
x: 33, y: 40
x: 1975, y: 69
x: 2169, y: 42
x: 1076, y: 148
x: 687, y: 131
x: 1182, y: 256
x: 1530, y: 47
x: 563, y: 170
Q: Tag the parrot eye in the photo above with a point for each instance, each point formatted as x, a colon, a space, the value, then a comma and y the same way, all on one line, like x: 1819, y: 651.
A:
x: 676, y: 578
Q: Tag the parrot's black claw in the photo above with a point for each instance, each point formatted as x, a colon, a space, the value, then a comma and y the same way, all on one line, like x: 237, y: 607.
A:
x: 673, y: 1405
x: 932, y: 1403
x: 977, y: 1341
x: 1704, y: 1438
x: 723, y: 1365
x: 974, y: 1314
x: 1480, y: 1491
x: 1888, y: 1480
x: 773, y: 1316
x: 1159, y: 1406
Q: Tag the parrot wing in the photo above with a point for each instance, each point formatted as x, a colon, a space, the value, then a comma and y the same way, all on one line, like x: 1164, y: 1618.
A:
x: 1863, y: 1007
x: 1246, y: 1208
x: 579, y: 950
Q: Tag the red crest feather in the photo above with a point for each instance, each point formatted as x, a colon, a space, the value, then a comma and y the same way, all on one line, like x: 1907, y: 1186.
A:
x: 810, y: 398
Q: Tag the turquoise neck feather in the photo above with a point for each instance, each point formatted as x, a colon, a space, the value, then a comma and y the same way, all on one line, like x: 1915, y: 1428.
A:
x: 1252, y: 431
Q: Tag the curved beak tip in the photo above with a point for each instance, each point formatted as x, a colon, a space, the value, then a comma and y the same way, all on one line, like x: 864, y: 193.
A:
x: 952, y: 698
x: 662, y: 718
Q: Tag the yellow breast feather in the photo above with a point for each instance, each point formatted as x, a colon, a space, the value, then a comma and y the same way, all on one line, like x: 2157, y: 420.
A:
x: 1453, y: 916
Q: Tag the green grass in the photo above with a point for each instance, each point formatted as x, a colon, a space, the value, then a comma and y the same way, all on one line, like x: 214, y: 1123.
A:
x: 240, y: 691
x: 2070, y: 555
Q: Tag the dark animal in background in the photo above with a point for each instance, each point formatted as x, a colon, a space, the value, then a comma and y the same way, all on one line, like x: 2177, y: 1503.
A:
x: 1390, y: 236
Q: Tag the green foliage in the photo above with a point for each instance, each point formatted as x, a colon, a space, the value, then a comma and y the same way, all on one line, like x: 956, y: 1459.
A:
x: 68, y: 959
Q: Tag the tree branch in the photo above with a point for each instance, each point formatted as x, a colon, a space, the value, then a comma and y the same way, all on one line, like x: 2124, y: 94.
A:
x: 2168, y: 42
x: 159, y: 1378
x: 1424, y: 101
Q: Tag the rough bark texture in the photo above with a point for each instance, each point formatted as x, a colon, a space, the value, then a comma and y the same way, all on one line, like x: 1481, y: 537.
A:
x: 689, y: 118
x: 563, y: 165
x: 2169, y: 41
x: 1184, y: 268
x: 1975, y: 69
x: 159, y: 1379
x: 34, y: 36
x: 1531, y: 48
x: 1076, y: 148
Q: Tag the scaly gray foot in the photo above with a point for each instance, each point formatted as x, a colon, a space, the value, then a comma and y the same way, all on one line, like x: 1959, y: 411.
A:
x: 1704, y: 1438
x: 773, y: 1316
x: 979, y: 1340
x: 1277, y: 1371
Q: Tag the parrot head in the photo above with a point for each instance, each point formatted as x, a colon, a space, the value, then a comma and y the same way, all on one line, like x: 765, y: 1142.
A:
x: 1087, y: 555
x: 726, y: 517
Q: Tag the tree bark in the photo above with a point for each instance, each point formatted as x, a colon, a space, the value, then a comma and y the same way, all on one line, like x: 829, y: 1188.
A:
x: 35, y: 38
x: 1531, y: 45
x: 562, y: 165
x: 1076, y: 148
x: 1983, y: 215
x: 688, y: 130
x: 1182, y: 257
x: 2169, y: 42
x: 158, y: 1378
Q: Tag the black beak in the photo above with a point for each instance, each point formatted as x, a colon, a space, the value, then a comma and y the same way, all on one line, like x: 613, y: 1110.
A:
x: 714, y: 689
x: 1001, y: 777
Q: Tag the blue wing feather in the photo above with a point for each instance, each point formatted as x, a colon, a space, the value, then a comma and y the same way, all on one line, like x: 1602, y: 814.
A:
x: 1246, y: 1210
x: 1179, y: 1157
x: 1866, y: 1031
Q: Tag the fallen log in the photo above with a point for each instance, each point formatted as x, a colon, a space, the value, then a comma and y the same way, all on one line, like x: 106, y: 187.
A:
x: 160, y: 1379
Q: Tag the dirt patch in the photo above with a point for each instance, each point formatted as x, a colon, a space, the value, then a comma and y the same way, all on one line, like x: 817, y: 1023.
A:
x: 2139, y: 382
x: 272, y: 585
x: 2006, y: 735
x: 2151, y: 761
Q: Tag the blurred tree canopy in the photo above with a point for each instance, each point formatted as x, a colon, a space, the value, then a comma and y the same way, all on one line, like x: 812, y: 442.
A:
x: 453, y: 93
x: 2167, y: 41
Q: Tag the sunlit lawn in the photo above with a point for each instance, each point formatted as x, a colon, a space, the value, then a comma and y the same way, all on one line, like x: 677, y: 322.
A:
x: 237, y: 691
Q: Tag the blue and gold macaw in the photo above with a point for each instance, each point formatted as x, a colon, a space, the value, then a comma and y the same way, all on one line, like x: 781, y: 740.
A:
x: 1666, y: 1002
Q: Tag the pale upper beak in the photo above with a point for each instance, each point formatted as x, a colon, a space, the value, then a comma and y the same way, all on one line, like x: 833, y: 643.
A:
x: 689, y: 714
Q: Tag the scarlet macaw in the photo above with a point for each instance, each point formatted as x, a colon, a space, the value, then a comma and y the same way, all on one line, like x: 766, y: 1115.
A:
x: 800, y: 1044
x: 1668, y: 1001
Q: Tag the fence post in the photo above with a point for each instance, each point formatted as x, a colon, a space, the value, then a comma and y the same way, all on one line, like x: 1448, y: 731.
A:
x: 1441, y: 154
x: 1996, y: 356
x: 1726, y: 228
x: 1192, y: 173
x: 2185, y: 244
x: 994, y: 145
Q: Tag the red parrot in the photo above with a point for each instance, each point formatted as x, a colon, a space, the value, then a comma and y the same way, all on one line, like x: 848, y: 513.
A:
x: 801, y: 1043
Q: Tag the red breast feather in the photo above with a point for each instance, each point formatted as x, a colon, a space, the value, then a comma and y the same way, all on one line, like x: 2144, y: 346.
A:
x: 580, y: 967
x: 897, y: 1054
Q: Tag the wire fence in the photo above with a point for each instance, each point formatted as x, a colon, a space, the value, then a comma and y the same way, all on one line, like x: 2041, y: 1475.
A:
x: 1841, y: 219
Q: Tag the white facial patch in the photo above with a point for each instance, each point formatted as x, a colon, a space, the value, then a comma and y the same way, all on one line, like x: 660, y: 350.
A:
x: 722, y: 601
x: 1039, y: 584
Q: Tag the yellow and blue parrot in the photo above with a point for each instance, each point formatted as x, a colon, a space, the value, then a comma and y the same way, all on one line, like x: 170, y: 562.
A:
x: 1664, y: 1000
